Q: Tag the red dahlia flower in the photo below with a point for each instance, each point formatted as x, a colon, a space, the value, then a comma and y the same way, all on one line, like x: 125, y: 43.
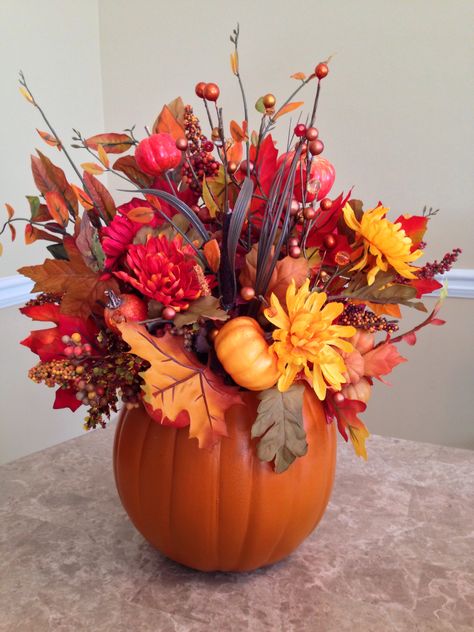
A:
x: 120, y: 233
x: 164, y: 271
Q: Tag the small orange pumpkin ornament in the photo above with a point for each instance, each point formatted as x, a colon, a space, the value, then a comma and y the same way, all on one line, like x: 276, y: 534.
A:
x: 245, y: 354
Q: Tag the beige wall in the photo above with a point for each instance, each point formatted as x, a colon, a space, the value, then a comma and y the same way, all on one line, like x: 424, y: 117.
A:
x: 395, y: 116
x: 56, y: 44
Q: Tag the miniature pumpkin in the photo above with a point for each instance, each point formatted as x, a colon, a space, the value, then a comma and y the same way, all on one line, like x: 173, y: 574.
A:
x: 246, y: 355
x: 223, y: 508
x: 157, y: 153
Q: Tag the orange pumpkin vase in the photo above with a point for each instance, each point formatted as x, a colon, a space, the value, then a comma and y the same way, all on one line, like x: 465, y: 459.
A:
x: 222, y: 509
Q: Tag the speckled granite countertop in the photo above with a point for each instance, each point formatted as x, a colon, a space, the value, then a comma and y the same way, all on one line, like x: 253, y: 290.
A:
x: 395, y: 552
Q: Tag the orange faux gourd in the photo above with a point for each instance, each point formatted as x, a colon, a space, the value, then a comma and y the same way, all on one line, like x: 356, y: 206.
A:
x: 222, y: 509
x: 246, y: 355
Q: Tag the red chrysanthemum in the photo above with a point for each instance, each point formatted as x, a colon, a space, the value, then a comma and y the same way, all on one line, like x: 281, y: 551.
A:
x: 163, y: 270
x: 120, y: 233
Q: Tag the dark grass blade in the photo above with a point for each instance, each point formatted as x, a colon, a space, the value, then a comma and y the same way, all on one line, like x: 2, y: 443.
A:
x: 237, y: 220
x: 181, y: 207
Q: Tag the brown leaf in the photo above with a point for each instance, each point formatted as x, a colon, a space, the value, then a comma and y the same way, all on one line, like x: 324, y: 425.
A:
x: 167, y: 123
x: 177, y: 382
x: 32, y: 233
x: 57, y: 208
x: 289, y: 107
x: 12, y: 231
x: 112, y: 143
x: 279, y: 423
x: 10, y: 210
x: 248, y: 273
x: 100, y: 196
x: 203, y: 307
x: 128, y: 165
x: 212, y: 252
x: 285, y: 270
x: 49, y: 177
x: 82, y: 288
x: 82, y: 197
x: 176, y: 107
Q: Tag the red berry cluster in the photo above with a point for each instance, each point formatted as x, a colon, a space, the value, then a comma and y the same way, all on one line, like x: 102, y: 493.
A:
x: 429, y: 270
x: 203, y: 163
x: 75, y: 348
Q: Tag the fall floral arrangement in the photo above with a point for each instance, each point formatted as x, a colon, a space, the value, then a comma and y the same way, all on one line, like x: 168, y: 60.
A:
x: 230, y: 267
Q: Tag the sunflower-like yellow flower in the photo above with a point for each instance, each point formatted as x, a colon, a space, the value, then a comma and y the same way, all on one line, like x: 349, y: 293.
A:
x: 305, y: 339
x: 385, y: 241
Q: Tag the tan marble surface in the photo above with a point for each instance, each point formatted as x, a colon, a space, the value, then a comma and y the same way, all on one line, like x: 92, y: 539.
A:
x: 395, y: 552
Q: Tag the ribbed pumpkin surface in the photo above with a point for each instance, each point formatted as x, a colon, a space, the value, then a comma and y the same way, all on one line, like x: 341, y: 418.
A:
x: 222, y: 509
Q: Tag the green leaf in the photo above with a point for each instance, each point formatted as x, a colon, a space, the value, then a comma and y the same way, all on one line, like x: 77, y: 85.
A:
x: 34, y: 202
x: 279, y: 423
x: 259, y: 106
x: 203, y: 307
x: 383, y: 291
x: 58, y: 251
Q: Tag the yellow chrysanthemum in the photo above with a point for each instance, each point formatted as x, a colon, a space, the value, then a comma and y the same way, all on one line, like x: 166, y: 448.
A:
x: 305, y: 337
x: 385, y: 241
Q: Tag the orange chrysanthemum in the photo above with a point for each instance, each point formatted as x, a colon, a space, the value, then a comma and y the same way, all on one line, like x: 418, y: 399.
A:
x: 307, y: 340
x: 385, y: 243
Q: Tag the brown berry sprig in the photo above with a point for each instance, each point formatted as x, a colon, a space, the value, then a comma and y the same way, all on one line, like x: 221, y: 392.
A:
x: 361, y: 318
x: 429, y: 270
x: 199, y: 148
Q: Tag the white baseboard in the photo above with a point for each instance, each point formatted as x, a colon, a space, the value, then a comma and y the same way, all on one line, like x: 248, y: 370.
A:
x: 15, y: 290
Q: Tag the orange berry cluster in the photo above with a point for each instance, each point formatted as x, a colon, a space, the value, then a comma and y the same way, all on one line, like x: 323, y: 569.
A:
x: 53, y: 373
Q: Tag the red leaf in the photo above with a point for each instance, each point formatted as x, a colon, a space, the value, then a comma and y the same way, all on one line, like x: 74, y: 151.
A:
x: 112, y: 143
x: 47, y: 312
x: 100, y: 196
x: 425, y: 286
x: 12, y: 231
x: 66, y: 398
x: 410, y: 338
x: 414, y: 226
x: 348, y: 422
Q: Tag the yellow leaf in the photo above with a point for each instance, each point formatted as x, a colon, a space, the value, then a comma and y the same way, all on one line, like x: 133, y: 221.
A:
x: 1, y: 250
x: 93, y: 168
x: 234, y: 62
x: 289, y: 107
x: 213, y: 192
x: 26, y: 94
x: 298, y: 75
x: 104, y: 159
x: 176, y: 381
x: 358, y: 437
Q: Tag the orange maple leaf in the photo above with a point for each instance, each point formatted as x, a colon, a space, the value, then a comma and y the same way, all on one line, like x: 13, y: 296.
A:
x: 176, y: 382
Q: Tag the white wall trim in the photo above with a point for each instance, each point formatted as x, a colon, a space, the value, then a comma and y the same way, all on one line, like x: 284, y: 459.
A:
x: 15, y: 290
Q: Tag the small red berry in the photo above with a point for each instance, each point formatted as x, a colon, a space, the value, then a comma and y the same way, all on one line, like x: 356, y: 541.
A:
x: 300, y: 130
x: 232, y: 167
x: 321, y: 70
x: 329, y: 241
x: 326, y: 204
x: 199, y: 89
x: 294, y: 208
x: 342, y: 258
x: 247, y: 293
x: 311, y: 133
x: 211, y: 92
x: 316, y: 147
x: 208, y: 146
x: 269, y: 101
x: 309, y: 213
x: 338, y: 398
x: 293, y: 241
x: 295, y: 252
x: 168, y: 313
x: 243, y: 166
x: 204, y: 214
x: 182, y: 143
